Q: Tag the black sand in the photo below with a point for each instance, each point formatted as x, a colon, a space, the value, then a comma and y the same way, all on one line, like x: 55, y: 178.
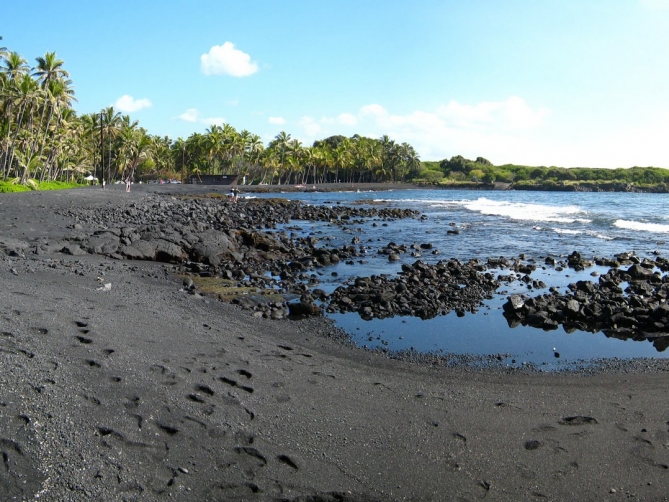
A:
x: 139, y: 391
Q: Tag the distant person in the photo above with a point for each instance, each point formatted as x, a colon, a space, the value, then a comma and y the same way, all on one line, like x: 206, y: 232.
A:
x: 127, y: 184
x: 103, y: 183
x: 234, y: 192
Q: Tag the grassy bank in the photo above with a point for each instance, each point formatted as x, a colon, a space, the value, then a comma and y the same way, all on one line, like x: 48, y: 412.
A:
x: 8, y: 187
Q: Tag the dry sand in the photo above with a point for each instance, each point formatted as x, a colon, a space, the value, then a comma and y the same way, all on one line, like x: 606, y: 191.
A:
x: 143, y: 392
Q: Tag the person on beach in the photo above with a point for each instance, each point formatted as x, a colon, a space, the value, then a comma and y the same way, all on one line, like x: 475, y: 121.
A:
x: 127, y: 184
x: 103, y: 183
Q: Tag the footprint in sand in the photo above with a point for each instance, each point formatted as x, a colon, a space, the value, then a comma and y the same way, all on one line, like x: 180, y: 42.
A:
x: 168, y: 429
x: 578, y: 420
x: 233, y: 383
x: 285, y: 459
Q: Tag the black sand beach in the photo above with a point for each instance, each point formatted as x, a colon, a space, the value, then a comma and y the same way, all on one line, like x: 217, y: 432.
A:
x: 119, y: 385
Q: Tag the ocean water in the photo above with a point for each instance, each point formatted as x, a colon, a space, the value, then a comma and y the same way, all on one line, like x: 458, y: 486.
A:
x: 493, y: 224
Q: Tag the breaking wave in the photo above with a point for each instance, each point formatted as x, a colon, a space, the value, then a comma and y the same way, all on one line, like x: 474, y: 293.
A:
x: 641, y: 226
x: 524, y: 211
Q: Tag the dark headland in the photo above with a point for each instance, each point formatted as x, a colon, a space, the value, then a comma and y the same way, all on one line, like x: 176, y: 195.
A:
x: 118, y: 383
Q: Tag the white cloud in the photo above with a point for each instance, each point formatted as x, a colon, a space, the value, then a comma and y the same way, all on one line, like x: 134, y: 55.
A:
x: 310, y: 127
x: 128, y: 104
x: 630, y: 144
x: 225, y: 59
x: 276, y: 120
x: 219, y: 121
x: 189, y: 115
x: 499, y: 130
x: 193, y: 115
x: 376, y: 110
x: 347, y: 119
x: 513, y: 131
x: 514, y: 113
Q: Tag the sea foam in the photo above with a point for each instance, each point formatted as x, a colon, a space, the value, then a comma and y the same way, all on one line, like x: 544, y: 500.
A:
x: 641, y: 226
x: 523, y: 211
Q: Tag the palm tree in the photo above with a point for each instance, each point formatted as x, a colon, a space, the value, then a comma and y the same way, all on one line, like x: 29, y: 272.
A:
x: 295, y: 152
x: 411, y: 158
x: 58, y: 96
x: 29, y: 162
x: 109, y: 124
x: 50, y: 68
x: 15, y: 66
x: 254, y: 148
x: 48, y: 72
x: 215, y: 147
x: 179, y: 156
x: 312, y: 156
x: 162, y: 152
x: 271, y: 161
x: 25, y: 94
x: 341, y: 157
x: 135, y: 146
x: 281, y: 142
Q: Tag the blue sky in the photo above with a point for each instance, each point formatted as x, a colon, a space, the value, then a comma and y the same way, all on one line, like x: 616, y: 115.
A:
x: 550, y: 82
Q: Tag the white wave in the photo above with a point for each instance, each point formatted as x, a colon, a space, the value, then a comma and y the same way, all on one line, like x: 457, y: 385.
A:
x: 642, y: 226
x: 431, y: 202
x: 523, y: 211
x: 566, y: 231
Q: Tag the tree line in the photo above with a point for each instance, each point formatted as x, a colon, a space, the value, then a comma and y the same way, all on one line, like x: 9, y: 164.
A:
x: 460, y: 169
x: 42, y: 138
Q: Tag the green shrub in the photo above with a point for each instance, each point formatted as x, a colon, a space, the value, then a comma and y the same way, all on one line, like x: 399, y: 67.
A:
x: 6, y: 187
x: 57, y: 185
x: 11, y: 187
x: 430, y: 176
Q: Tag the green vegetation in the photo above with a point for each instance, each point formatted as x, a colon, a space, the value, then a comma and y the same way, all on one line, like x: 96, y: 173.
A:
x: 14, y: 186
x: 458, y: 171
x: 42, y: 139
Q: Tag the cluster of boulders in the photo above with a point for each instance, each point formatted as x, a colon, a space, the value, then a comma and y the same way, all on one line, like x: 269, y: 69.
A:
x: 624, y: 303
x: 207, y: 213
x: 210, y: 231
x: 420, y: 290
x: 210, y: 236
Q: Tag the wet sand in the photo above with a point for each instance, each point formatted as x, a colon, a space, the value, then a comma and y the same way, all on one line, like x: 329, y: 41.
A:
x: 140, y: 391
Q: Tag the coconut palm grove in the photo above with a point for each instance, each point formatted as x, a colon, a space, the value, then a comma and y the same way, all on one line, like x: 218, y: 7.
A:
x: 43, y: 139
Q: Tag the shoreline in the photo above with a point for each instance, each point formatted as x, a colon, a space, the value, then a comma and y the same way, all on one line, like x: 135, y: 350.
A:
x: 380, y: 187
x: 143, y: 391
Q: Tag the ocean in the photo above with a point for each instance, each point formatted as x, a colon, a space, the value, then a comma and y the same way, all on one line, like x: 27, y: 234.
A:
x: 491, y: 224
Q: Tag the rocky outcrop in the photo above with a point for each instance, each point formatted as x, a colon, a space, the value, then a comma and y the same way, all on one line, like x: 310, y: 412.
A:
x: 421, y: 290
x: 639, y: 311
